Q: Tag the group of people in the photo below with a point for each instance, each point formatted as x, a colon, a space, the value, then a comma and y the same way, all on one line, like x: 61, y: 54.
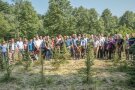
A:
x: 104, y: 47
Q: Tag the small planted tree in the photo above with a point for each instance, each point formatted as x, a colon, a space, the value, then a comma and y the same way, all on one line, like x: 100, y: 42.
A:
x: 56, y: 59
x: 26, y: 60
x: 42, y: 66
x: 65, y: 53
x: 89, y: 63
x: 7, y: 68
x: 1, y: 62
x: 115, y: 57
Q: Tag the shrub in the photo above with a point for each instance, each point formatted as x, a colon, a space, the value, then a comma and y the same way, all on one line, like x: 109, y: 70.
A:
x: 89, y: 63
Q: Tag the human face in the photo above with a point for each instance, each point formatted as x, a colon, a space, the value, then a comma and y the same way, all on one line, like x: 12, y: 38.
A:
x: 12, y: 40
x: 20, y: 39
x: 37, y: 37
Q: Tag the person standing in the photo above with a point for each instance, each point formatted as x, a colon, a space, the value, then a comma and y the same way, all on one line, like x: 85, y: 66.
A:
x: 37, y: 44
x: 83, y: 45
x: 30, y: 46
x: 101, y: 46
x: 20, y: 47
x: 3, y: 48
x: 110, y: 47
x: 48, y: 48
x: 96, y: 46
x: 12, y: 48
x: 120, y: 43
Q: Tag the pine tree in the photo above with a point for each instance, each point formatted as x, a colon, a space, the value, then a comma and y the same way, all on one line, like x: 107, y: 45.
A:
x: 27, y: 19
x: 58, y: 17
x: 26, y: 60
x: 89, y: 63
x: 8, y: 68
x: 65, y: 53
x: 56, y: 61
x: 42, y: 66
x: 115, y: 57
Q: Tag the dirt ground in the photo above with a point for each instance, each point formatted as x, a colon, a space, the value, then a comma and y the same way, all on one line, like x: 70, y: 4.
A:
x: 70, y: 76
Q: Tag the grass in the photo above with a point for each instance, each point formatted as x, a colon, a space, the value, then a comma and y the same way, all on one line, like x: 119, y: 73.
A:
x: 70, y: 76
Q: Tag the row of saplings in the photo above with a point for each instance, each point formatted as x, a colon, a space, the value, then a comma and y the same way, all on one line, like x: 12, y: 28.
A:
x: 60, y: 57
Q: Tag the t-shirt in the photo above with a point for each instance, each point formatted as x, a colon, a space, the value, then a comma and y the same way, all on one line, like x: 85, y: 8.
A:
x: 38, y: 43
x: 68, y: 42
x: 78, y: 42
x: 110, y: 45
x: 83, y: 42
x: 101, y: 41
x: 96, y: 43
x: 3, y: 48
x: 20, y: 45
x: 74, y: 41
x: 30, y: 46
x: 12, y: 46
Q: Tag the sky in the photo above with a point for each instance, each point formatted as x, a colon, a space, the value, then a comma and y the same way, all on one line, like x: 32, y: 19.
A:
x: 117, y: 7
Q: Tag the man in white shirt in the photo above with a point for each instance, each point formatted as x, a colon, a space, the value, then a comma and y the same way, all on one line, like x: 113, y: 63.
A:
x: 20, y: 46
x: 12, y: 47
x: 37, y: 44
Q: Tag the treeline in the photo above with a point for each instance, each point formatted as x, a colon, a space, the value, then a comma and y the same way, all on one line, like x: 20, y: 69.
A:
x: 20, y: 19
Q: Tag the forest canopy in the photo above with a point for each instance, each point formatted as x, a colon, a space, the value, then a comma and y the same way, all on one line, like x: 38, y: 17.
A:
x: 21, y: 20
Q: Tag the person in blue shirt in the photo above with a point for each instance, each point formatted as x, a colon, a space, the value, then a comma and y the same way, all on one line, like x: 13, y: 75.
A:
x: 30, y: 46
x: 3, y: 48
x: 67, y: 41
x: 83, y: 47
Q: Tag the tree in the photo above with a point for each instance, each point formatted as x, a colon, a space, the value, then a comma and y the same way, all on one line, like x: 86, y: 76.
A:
x: 58, y: 17
x: 128, y: 19
x: 4, y: 26
x: 89, y: 63
x: 107, y: 16
x: 100, y: 26
x: 80, y: 19
x: 29, y: 23
x: 4, y: 7
x: 92, y: 20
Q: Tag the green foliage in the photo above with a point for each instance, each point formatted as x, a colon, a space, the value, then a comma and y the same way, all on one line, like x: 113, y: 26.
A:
x: 56, y: 59
x: 4, y: 25
x: 89, y: 63
x: 42, y: 66
x: 29, y: 23
x: 115, y: 57
x: 110, y: 22
x: 128, y: 19
x: 20, y: 19
x: 58, y: 19
x: 131, y: 81
x: 59, y: 57
x: 8, y: 70
x: 65, y: 53
x: 26, y: 60
x: 4, y: 7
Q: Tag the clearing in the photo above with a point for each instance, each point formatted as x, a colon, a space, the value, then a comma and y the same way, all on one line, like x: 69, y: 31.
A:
x: 70, y: 76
